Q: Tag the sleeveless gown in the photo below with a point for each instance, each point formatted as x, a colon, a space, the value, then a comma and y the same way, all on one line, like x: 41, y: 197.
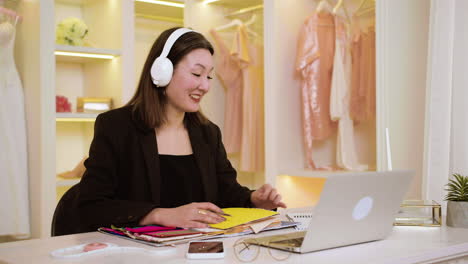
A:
x: 14, y: 205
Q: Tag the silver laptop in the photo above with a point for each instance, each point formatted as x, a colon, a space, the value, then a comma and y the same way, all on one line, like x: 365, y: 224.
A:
x: 353, y: 208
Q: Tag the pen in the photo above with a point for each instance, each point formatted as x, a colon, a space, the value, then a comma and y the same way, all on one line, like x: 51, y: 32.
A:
x: 204, y: 213
x: 223, y: 213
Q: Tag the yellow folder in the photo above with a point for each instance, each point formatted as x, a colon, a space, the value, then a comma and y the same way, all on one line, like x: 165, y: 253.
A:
x: 240, y: 216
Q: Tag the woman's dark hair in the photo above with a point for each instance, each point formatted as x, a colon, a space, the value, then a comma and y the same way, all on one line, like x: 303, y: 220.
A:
x: 149, y: 101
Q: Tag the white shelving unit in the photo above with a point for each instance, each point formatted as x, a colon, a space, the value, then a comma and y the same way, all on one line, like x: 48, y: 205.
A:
x: 84, y: 71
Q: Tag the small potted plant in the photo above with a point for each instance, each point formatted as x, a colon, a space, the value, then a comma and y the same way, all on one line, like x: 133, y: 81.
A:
x: 457, y: 197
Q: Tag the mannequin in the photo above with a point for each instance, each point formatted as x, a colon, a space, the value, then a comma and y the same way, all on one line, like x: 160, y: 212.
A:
x: 14, y: 207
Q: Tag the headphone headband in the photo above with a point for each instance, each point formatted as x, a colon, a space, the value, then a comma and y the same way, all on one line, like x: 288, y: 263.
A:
x: 172, y: 39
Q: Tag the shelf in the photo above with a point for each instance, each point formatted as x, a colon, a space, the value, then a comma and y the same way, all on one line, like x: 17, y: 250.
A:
x: 71, y: 2
x: 238, y: 4
x: 159, y: 12
x: 67, y: 182
x: 308, y: 173
x: 75, y: 117
x: 76, y: 54
x: 313, y: 173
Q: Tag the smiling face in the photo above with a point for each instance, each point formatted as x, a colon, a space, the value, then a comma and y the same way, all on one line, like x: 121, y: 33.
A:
x: 190, y: 81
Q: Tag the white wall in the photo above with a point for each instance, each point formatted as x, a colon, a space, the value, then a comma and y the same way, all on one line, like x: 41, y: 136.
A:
x: 446, y: 120
x: 402, y: 44
x: 459, y: 136
x: 283, y: 137
x: 438, y: 99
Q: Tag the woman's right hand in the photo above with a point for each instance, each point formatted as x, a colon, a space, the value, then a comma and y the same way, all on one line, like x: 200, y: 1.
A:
x: 194, y: 215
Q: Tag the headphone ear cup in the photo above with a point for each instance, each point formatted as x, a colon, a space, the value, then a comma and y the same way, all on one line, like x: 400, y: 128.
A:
x: 161, y: 71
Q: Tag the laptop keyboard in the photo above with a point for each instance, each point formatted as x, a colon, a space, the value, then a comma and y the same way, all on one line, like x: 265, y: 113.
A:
x: 293, y: 242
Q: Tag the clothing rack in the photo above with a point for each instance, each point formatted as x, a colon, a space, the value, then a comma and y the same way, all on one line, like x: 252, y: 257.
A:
x: 245, y: 10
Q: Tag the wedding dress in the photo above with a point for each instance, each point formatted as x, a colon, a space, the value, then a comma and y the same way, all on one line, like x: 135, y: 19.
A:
x: 14, y: 205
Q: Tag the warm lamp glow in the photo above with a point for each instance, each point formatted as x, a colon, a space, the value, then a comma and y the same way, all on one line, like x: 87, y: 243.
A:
x: 299, y: 191
x: 84, y: 55
x: 209, y: 1
x: 166, y: 3
x: 70, y: 119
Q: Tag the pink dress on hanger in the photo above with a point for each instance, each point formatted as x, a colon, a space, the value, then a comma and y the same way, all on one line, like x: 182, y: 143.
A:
x: 228, y: 70
x: 363, y: 86
x: 340, y: 101
x: 241, y: 72
x: 252, y: 144
x: 314, y: 62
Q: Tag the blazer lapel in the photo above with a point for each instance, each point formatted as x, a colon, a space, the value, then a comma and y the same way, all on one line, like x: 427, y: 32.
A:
x: 201, y: 152
x: 150, y: 154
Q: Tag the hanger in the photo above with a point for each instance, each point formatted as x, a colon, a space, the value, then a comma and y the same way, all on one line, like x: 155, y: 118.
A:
x: 238, y: 22
x: 365, y: 11
x: 337, y: 8
x: 11, y: 14
x: 361, y: 5
x: 251, y: 20
x: 323, y: 5
x: 234, y: 22
x: 361, y: 10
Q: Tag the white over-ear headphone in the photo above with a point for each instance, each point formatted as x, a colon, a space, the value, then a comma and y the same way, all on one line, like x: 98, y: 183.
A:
x: 161, y: 70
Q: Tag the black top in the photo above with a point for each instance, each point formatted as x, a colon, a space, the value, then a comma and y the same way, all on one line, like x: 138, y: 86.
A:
x: 180, y: 180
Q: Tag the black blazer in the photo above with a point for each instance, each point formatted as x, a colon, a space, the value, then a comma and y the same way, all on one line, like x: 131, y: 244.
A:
x: 122, y: 181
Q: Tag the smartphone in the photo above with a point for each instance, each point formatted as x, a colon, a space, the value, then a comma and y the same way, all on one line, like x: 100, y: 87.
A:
x: 205, y: 250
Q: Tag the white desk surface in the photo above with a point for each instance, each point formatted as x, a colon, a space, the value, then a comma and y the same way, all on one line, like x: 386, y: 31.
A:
x: 404, y: 245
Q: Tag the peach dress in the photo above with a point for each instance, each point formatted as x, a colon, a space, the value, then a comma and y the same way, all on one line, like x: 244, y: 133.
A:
x: 241, y: 72
x: 363, y: 86
x: 252, y: 145
x: 340, y: 101
x: 228, y: 69
x: 314, y: 62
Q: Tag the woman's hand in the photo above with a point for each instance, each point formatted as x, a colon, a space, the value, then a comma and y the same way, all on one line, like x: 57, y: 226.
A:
x: 194, y: 215
x: 267, y: 198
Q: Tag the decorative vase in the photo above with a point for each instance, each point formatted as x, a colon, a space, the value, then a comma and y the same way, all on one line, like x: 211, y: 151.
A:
x: 457, y: 214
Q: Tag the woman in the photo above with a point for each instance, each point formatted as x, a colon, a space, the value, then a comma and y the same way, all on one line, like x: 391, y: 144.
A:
x: 158, y: 160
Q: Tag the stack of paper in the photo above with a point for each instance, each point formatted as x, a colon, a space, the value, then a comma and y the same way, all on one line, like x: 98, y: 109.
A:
x: 240, y: 216
x: 241, y: 221
x: 154, y: 234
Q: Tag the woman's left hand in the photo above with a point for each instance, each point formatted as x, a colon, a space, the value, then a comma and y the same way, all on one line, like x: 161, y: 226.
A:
x: 266, y: 197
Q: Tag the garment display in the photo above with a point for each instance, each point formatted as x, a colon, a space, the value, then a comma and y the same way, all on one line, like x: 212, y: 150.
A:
x: 252, y: 144
x: 241, y: 72
x: 362, y: 104
x: 314, y: 62
x: 340, y: 100
x: 14, y: 208
x: 229, y: 72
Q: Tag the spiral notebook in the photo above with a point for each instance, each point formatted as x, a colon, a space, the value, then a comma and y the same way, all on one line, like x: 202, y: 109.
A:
x: 302, y: 218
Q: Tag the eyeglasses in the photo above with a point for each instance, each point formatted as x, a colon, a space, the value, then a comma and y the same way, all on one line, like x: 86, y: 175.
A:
x: 248, y: 250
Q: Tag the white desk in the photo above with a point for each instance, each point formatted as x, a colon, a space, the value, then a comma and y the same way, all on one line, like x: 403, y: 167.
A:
x: 404, y: 245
